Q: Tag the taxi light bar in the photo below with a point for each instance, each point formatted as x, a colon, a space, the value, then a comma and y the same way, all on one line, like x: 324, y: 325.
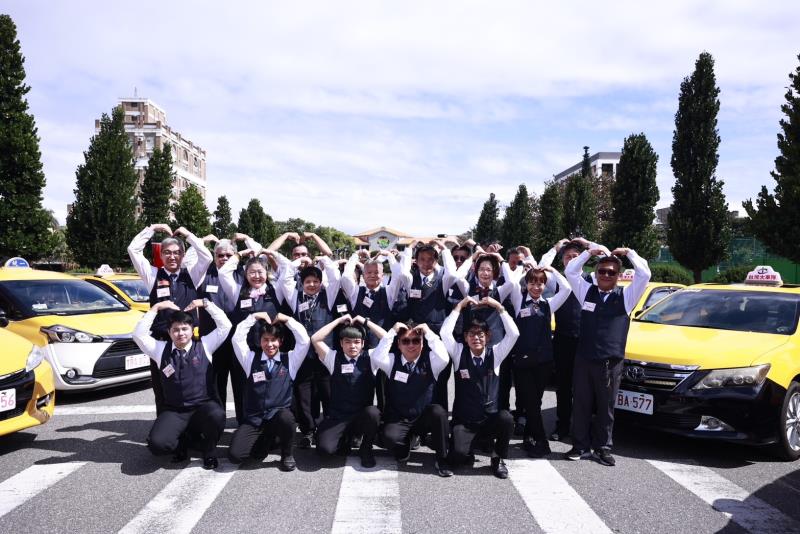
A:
x: 626, y: 275
x: 763, y: 275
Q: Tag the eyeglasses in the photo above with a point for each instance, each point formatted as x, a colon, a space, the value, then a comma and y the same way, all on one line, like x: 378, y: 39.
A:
x: 607, y: 272
x: 171, y: 253
x: 411, y: 341
x: 223, y: 255
x: 478, y: 334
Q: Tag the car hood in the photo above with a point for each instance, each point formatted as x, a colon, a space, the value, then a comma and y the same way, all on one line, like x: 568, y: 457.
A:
x: 704, y: 347
x: 15, y: 352
x: 102, y: 324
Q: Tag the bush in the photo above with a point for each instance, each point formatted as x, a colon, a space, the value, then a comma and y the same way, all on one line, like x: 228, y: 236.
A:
x: 734, y: 274
x: 674, y: 274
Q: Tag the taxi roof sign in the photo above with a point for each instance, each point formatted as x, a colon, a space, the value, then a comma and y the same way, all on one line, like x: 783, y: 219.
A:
x: 17, y: 263
x: 764, y: 275
x: 626, y: 275
x: 104, y: 270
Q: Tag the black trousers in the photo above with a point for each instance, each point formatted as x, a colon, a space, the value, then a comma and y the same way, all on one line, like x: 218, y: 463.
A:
x: 225, y: 364
x: 532, y: 381
x: 564, y: 348
x: 280, y: 426
x: 312, y: 388
x: 331, y: 432
x: 433, y: 419
x: 595, y: 386
x: 440, y: 389
x: 380, y: 389
x: 170, y: 428
x: 499, y: 426
x: 155, y: 381
x: 506, y: 381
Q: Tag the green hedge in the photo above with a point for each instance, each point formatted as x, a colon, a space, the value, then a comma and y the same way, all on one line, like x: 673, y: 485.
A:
x: 734, y: 274
x: 670, y: 273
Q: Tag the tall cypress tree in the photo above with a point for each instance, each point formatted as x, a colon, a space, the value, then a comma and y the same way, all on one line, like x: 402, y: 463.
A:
x: 776, y: 218
x: 255, y: 222
x: 518, y: 225
x: 580, y: 208
x: 698, y: 230
x: 103, y: 217
x: 223, y: 226
x: 191, y: 212
x: 551, y: 207
x: 488, y: 228
x: 156, y: 191
x: 24, y: 224
x: 633, y: 198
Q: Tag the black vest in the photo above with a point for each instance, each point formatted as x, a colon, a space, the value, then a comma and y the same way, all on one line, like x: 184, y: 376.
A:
x: 212, y: 290
x: 476, y: 393
x: 315, y: 317
x: 351, y: 392
x: 379, y: 313
x: 432, y: 308
x: 263, y: 398
x: 244, y: 306
x: 604, y: 331
x: 191, y: 381
x: 568, y: 316
x: 182, y: 293
x: 487, y: 314
x: 535, y: 342
x: 408, y: 400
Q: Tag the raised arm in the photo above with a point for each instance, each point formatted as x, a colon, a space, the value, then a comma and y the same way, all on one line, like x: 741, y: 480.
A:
x: 239, y: 342
x: 318, y: 339
x: 216, y: 337
x: 197, y: 271
x: 323, y: 247
x: 348, y: 279
x: 334, y: 278
x: 278, y: 243
x: 502, y: 349
x: 574, y: 271
x: 446, y: 331
x: 380, y: 357
x: 564, y: 289
x: 141, y: 332
x: 641, y: 277
x: 136, y: 253
x: 227, y: 280
x: 439, y: 355
x: 301, y: 343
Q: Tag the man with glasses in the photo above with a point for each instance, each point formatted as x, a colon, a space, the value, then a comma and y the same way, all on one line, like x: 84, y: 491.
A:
x: 605, y: 317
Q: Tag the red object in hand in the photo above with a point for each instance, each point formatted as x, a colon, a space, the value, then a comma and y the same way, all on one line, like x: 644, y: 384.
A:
x: 156, y: 248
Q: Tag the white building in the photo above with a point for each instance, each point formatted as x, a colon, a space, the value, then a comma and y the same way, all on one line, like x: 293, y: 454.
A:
x: 603, y: 164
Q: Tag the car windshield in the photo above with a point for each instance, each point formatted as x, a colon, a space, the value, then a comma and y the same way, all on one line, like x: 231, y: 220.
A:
x: 60, y: 297
x: 135, y: 289
x: 743, y: 311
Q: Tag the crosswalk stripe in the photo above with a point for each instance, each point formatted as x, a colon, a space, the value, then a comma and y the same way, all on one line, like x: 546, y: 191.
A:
x: 553, y: 503
x: 32, y: 481
x: 113, y: 410
x: 735, y: 502
x: 369, y: 499
x: 179, y: 506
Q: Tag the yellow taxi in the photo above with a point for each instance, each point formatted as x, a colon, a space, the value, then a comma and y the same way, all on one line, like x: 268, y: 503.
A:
x: 719, y: 361
x: 27, y: 391
x: 128, y: 287
x: 654, y: 292
x: 85, y: 333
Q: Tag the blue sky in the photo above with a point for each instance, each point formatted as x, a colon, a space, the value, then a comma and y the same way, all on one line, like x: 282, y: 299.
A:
x: 362, y: 114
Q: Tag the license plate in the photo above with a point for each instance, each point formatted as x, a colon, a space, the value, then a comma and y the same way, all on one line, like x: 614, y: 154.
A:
x: 8, y: 399
x: 135, y: 361
x: 635, y: 402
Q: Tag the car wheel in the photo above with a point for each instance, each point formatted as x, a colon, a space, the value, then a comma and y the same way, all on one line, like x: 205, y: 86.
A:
x: 788, y: 446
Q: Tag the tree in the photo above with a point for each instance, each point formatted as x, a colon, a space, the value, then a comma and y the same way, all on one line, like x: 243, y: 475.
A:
x: 24, y: 228
x: 518, y: 225
x: 103, y: 217
x: 580, y: 208
x: 551, y: 207
x: 156, y: 190
x: 254, y: 222
x: 340, y: 243
x: 775, y: 218
x: 488, y: 228
x: 223, y: 226
x: 191, y: 212
x: 698, y: 231
x: 633, y: 199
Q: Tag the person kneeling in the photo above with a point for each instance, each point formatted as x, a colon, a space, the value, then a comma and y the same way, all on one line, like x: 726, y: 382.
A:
x: 352, y: 387
x: 191, y: 404
x: 476, y: 367
x: 269, y: 373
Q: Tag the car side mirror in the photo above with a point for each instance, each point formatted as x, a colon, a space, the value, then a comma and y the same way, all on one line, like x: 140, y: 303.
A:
x: 3, y: 319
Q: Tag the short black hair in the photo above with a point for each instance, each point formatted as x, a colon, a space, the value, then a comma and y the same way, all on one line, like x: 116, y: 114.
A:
x: 311, y: 270
x: 427, y: 248
x: 610, y: 259
x: 571, y: 245
x: 181, y: 317
x: 477, y: 324
x: 494, y: 263
x: 352, y: 331
x: 533, y: 272
x: 463, y: 248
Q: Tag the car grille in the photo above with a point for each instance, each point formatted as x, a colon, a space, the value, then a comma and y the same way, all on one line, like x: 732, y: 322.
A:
x: 124, y: 347
x: 112, y: 362
x: 655, y: 376
x: 11, y: 378
x: 22, y: 382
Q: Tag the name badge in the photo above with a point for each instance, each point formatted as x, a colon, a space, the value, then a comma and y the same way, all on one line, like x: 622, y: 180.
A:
x: 212, y: 289
x: 303, y: 306
x: 168, y: 370
x: 162, y: 292
x: 415, y: 293
x: 400, y: 376
x: 367, y: 302
x: 589, y: 306
x: 347, y: 368
x: 246, y: 303
x: 259, y: 376
x: 163, y: 283
x: 525, y: 312
x: 464, y: 373
x: 341, y: 308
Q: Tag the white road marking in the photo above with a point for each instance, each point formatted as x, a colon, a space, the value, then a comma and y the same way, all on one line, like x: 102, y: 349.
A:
x: 32, y: 481
x: 114, y: 409
x: 748, y: 511
x: 553, y: 503
x: 369, y: 499
x: 179, y: 506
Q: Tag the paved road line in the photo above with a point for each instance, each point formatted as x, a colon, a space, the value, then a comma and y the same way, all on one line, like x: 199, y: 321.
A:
x: 32, y: 481
x: 369, y: 499
x: 747, y: 510
x: 113, y: 410
x: 553, y: 503
x: 179, y: 506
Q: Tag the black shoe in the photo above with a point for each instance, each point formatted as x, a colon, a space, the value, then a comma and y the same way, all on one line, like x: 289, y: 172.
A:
x: 499, y: 468
x: 603, y: 456
x: 559, y: 435
x: 578, y: 454
x: 355, y: 442
x: 210, y: 462
x: 442, y: 468
x: 367, y: 459
x: 469, y: 461
x: 287, y: 463
x: 415, y: 441
x: 539, y: 450
x: 306, y: 440
x: 519, y: 428
x: 527, y: 443
x: 181, y: 455
x: 402, y: 454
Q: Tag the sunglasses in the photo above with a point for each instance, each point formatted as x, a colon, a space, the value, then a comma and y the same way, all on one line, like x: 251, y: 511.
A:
x: 223, y: 255
x: 460, y: 258
x: 411, y: 341
x: 607, y: 272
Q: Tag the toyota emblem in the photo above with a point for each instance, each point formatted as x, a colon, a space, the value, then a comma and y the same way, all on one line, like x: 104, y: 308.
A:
x: 634, y: 374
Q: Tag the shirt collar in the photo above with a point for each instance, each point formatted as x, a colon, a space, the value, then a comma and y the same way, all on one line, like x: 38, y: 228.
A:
x: 187, y: 348
x: 482, y: 355
x: 276, y: 358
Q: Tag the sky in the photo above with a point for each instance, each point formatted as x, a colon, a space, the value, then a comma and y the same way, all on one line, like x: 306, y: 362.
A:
x: 404, y: 114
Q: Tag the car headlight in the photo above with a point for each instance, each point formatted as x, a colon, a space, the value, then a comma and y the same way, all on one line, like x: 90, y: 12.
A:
x: 35, y: 358
x: 63, y: 334
x: 737, y: 377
